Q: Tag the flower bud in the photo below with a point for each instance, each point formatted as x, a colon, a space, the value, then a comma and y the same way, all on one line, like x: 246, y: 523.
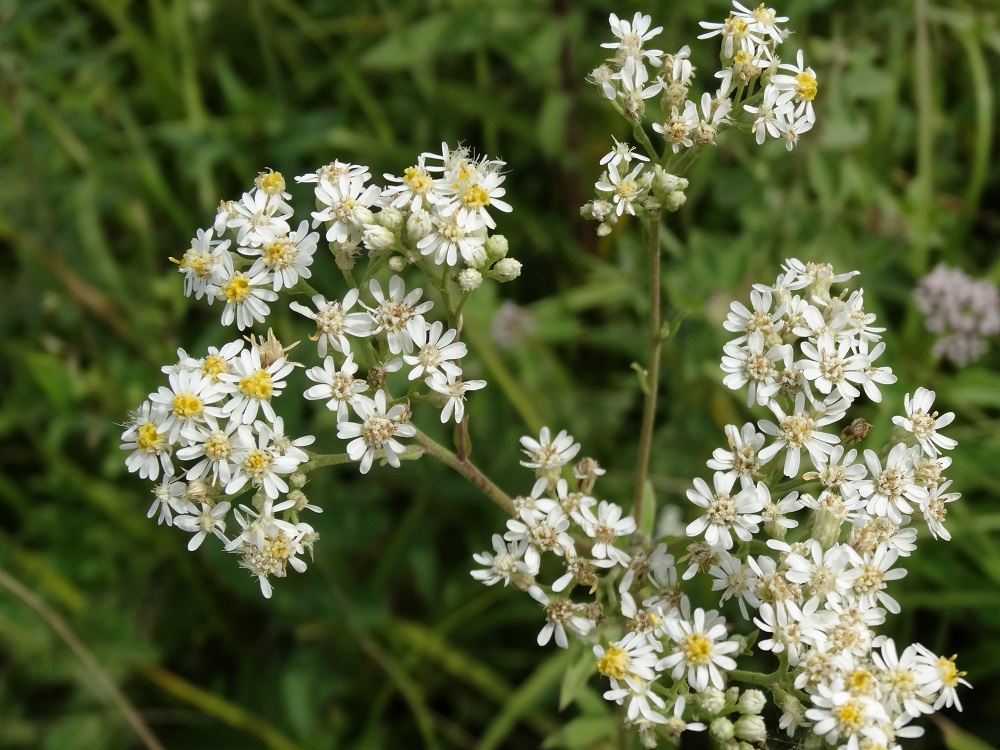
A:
x: 751, y: 728
x: 711, y: 700
x: 297, y: 480
x: 507, y: 269
x: 496, y: 247
x: 855, y: 432
x: 469, y: 280
x: 721, y: 729
x: 673, y: 201
x: 391, y: 218
x: 751, y: 702
x: 478, y: 257
x: 299, y: 498
x: 378, y: 239
x: 397, y: 263
x: 362, y: 216
x: 419, y: 225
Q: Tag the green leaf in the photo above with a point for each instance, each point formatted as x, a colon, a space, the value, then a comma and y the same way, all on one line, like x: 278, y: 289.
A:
x: 582, y: 732
x: 956, y: 738
x: 575, y: 678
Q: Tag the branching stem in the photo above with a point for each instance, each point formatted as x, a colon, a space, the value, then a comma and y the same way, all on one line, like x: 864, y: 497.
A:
x: 468, y: 470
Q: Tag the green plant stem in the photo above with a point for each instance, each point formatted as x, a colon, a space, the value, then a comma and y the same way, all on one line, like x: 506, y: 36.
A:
x: 94, y: 668
x: 924, y: 94
x: 756, y: 678
x: 468, y: 470
x: 653, y: 372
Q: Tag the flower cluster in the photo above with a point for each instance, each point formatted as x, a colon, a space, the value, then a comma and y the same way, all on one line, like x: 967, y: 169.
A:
x: 815, y: 591
x: 963, y: 312
x: 776, y: 97
x: 213, y: 432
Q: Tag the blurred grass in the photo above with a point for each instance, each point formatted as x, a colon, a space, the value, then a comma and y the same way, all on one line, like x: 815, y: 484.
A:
x: 122, y: 126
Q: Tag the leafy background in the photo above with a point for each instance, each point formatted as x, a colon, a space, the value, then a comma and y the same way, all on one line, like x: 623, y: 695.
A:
x: 122, y: 126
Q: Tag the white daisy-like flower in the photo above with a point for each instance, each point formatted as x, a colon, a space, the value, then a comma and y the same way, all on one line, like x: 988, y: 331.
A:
x: 200, y: 263
x: 734, y: 579
x: 605, y: 528
x: 393, y: 312
x: 762, y: 20
x: 246, y: 295
x: 768, y: 113
x: 253, y: 386
x: 725, y: 514
x: 792, y: 631
x: 888, y: 490
x: 749, y: 363
x: 283, y: 445
x: 831, y: 364
x: 188, y: 401
x: 799, y: 88
x: 741, y: 458
x: 414, y: 190
x: 260, y: 464
x: 334, y: 323
x: 338, y: 389
x: 560, y: 615
x: 825, y: 574
x: 935, y: 509
x: 209, y: 520
x: 624, y: 189
x: 543, y: 528
x: 473, y: 196
x: 701, y: 650
x: 622, y: 152
x: 147, y: 436
x: 376, y: 434
x: 841, y: 717
x: 581, y: 570
x: 791, y: 126
x: 547, y: 452
x: 455, y: 389
x: 451, y: 237
x: 903, y: 680
x: 945, y: 678
x: 774, y: 514
x: 217, y: 448
x: 168, y: 498
x: 868, y: 579
x: 258, y: 218
x: 435, y: 350
x: 217, y: 361
x: 333, y: 171
x: 348, y: 206
x: 503, y: 563
x: 630, y: 661
x: 759, y: 317
x: 839, y: 472
x: 677, y: 128
x: 798, y: 431
x: 287, y: 257
x: 924, y: 424
x: 736, y: 35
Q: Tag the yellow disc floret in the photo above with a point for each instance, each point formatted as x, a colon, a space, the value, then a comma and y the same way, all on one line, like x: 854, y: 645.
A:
x: 697, y: 648
x: 187, y: 405
x: 475, y: 196
x: 806, y: 86
x: 237, y: 289
x: 614, y: 663
x: 213, y: 366
x: 257, y: 385
x: 148, y: 439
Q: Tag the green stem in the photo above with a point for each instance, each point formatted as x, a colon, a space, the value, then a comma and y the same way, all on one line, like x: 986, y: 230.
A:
x: 653, y: 373
x: 923, y: 81
x: 94, y: 669
x: 756, y: 678
x: 468, y: 470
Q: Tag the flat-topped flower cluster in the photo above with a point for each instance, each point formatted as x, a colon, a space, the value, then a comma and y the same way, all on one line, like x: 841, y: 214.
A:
x: 212, y: 431
x: 815, y: 592
x: 755, y: 91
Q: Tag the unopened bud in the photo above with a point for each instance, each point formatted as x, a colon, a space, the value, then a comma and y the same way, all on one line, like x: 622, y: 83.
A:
x: 751, y: 702
x: 855, y: 432
x: 750, y: 728
x: 496, y: 247
x: 391, y: 218
x: 397, y: 263
x: 378, y: 239
x: 469, y: 280
x: 419, y: 225
x: 298, y: 480
x: 507, y: 269
x: 721, y: 729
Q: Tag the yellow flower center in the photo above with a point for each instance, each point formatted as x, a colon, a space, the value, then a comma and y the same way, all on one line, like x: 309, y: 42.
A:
x: 148, y: 439
x: 256, y: 385
x: 948, y: 671
x: 272, y: 182
x: 614, y: 663
x: 417, y: 180
x: 280, y: 253
x: 213, y: 366
x: 237, y: 289
x: 257, y: 463
x: 850, y: 716
x: 697, y: 648
x: 187, y: 405
x: 475, y: 196
x: 806, y: 86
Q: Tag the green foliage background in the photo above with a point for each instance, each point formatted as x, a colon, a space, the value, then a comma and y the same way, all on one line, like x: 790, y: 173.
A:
x: 123, y: 124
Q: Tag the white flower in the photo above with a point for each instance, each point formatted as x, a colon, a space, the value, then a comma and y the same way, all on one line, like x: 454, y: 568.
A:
x: 945, y: 678
x: 435, y: 348
x: 631, y: 660
x: 870, y: 576
x: 547, y: 453
x: 624, y: 189
x: 414, y: 190
x: 734, y: 578
x: 935, y: 510
x: 333, y: 171
x: 701, y: 652
x: 503, y: 564
x: 824, y: 572
x: 261, y: 464
x: 749, y: 363
x: 377, y: 432
x: 334, y: 323
x: 168, y: 496
x: 887, y: 491
x: 832, y: 365
x: 287, y: 256
x: 559, y: 615
x: 791, y: 129
x: 393, y: 313
x: 252, y: 385
x: 217, y: 361
x: 543, y: 528
x: 455, y: 389
x: 761, y: 319
x: 246, y: 295
x: 736, y: 34
x: 622, y: 152
x: 789, y: 634
x: 677, y: 129
x: 187, y: 401
x: 451, y: 237
x: 924, y: 424
x: 838, y: 716
x: 209, y: 520
x: 741, y: 458
x: 338, y: 389
x: 258, y: 218
x: 348, y: 206
x: 146, y: 435
x: 200, y: 262
x: 725, y: 514
x: 799, y: 88
x: 903, y: 679
x: 473, y: 195
x: 217, y: 449
x: 282, y: 445
x: 797, y: 431
x: 605, y: 528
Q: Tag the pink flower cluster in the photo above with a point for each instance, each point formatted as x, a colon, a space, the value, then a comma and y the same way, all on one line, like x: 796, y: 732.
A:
x: 963, y: 310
